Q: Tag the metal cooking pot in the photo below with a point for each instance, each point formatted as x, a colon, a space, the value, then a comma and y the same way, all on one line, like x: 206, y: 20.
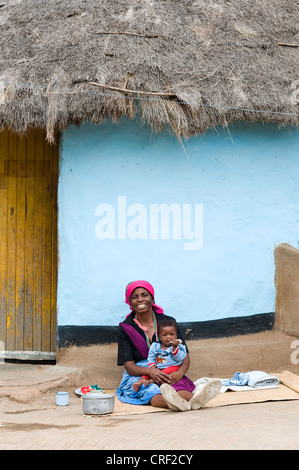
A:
x: 98, y: 404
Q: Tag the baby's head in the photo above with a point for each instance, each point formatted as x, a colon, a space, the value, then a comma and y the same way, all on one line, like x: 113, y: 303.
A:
x: 167, y: 331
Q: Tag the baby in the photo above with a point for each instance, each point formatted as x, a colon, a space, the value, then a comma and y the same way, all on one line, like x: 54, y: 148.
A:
x: 167, y: 354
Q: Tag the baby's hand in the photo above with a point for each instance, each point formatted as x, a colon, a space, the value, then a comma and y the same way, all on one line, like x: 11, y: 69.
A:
x: 175, y: 344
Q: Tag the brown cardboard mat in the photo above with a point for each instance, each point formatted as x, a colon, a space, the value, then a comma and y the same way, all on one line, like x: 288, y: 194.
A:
x: 288, y: 390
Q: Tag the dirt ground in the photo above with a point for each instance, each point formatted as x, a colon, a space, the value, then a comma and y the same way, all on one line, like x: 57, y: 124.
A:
x: 30, y: 418
x: 40, y: 425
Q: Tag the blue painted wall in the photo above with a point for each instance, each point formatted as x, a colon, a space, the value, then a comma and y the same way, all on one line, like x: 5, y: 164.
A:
x: 235, y: 197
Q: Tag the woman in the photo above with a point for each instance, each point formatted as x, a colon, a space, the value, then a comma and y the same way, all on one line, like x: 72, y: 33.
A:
x: 136, y: 333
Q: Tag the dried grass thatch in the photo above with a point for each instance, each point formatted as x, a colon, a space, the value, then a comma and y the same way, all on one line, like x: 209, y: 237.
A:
x: 184, y: 65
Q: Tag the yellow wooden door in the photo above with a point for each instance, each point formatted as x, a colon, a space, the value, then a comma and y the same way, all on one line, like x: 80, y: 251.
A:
x: 28, y: 242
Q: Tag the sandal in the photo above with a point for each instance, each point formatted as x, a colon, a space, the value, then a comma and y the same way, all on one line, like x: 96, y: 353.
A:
x: 173, y: 399
x: 205, y: 394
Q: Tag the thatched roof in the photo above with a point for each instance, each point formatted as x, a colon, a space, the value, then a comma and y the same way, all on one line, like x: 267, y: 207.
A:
x: 189, y: 64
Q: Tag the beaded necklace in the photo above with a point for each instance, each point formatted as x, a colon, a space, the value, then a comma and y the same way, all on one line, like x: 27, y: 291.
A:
x: 145, y: 329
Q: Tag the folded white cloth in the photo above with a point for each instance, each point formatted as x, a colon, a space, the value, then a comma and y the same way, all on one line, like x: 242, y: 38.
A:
x: 260, y: 379
x: 255, y: 380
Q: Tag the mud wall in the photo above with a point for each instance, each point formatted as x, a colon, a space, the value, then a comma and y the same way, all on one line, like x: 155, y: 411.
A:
x: 287, y: 289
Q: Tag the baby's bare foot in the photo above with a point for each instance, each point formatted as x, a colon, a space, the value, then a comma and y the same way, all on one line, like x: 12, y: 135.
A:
x: 136, y: 386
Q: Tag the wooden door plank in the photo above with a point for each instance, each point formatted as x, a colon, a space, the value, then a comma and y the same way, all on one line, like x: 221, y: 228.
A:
x: 20, y: 242
x: 11, y: 245
x: 54, y: 228
x: 47, y: 249
x: 29, y: 245
x: 3, y: 238
x: 38, y: 243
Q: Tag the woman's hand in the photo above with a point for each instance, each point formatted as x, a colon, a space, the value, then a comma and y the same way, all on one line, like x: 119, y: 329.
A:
x: 158, y: 376
x: 176, y: 376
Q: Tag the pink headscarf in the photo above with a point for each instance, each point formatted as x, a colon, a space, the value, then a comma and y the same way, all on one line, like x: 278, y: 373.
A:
x: 146, y: 285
